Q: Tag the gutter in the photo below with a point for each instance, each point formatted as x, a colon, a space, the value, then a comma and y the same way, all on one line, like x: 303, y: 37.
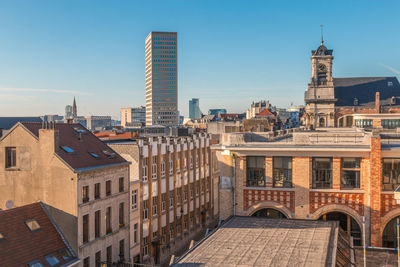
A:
x: 80, y: 170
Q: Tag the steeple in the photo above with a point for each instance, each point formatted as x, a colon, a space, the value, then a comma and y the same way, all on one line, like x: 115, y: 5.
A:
x: 74, y: 110
x: 322, y: 34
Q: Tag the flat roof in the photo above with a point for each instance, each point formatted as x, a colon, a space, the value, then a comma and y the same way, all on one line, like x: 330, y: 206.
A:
x: 257, y: 241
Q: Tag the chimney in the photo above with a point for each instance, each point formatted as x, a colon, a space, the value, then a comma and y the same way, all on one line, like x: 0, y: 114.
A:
x: 377, y: 103
x: 48, y: 138
x: 70, y: 121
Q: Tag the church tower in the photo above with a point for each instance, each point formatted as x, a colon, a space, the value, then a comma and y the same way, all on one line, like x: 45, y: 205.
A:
x: 320, y: 97
x: 74, y: 110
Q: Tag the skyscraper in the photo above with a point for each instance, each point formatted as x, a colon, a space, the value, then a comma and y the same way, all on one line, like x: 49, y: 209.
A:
x: 194, y: 109
x: 161, y: 79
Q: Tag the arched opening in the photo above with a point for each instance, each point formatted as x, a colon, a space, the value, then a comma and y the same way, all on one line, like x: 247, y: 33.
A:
x: 347, y: 223
x: 389, y: 236
x: 321, y: 122
x: 341, y: 122
x: 269, y: 213
x: 321, y: 75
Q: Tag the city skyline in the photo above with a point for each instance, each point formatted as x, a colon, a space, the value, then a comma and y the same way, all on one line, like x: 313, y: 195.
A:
x: 96, y: 52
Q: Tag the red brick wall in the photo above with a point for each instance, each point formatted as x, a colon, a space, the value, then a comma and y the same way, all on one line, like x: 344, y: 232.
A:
x: 376, y: 185
x: 354, y: 201
x: 254, y: 196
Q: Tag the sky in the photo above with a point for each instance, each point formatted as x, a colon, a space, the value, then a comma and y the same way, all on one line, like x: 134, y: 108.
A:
x: 230, y: 53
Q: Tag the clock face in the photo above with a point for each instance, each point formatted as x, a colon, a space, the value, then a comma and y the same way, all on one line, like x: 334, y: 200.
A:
x: 322, y: 68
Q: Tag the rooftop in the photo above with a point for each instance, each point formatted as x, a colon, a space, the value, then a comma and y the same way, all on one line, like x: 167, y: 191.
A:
x: 77, y: 145
x: 256, y: 241
x: 21, y: 245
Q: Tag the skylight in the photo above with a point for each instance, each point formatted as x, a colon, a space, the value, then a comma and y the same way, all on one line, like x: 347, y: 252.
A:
x: 65, y: 254
x: 32, y: 224
x: 67, y: 149
x: 109, y: 153
x: 52, y: 260
x: 80, y: 130
x: 94, y: 155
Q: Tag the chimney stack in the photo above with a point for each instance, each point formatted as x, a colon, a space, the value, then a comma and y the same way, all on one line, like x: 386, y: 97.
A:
x: 377, y: 102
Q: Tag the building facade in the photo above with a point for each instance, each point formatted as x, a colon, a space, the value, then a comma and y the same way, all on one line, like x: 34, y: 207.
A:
x: 216, y: 111
x: 82, y: 183
x: 132, y: 116
x: 331, y: 102
x: 336, y: 174
x: 174, y: 198
x: 161, y: 79
x: 257, y: 107
x: 194, y: 109
x: 98, y: 122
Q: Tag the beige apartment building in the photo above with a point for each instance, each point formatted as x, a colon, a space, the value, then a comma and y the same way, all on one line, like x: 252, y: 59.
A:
x: 332, y: 174
x: 161, y: 79
x: 82, y: 183
x: 172, y: 187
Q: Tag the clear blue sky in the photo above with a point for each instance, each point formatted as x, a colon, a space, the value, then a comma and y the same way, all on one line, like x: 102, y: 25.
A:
x: 230, y: 52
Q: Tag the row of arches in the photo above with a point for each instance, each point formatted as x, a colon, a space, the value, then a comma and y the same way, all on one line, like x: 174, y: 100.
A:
x: 347, y: 222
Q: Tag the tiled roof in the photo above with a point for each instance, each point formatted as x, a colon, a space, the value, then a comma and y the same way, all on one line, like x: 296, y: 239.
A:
x: 114, y: 135
x: 8, y: 122
x: 82, y: 141
x: 265, y: 112
x: 21, y: 246
x: 364, y: 89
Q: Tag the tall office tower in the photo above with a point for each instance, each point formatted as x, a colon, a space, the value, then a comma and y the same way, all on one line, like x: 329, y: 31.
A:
x: 194, y: 109
x: 161, y: 79
x: 68, y: 112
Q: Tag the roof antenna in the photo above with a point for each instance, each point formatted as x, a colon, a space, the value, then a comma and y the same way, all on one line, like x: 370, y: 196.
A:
x: 322, y: 34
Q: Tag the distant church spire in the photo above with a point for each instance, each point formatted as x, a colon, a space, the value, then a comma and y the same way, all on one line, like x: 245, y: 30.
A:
x: 74, y: 110
x: 322, y: 34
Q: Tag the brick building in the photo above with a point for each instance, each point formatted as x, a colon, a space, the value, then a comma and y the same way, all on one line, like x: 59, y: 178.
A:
x: 336, y: 174
x: 173, y: 196
x: 82, y: 183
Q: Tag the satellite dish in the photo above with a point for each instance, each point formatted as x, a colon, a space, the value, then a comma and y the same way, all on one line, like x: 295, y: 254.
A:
x: 9, y: 204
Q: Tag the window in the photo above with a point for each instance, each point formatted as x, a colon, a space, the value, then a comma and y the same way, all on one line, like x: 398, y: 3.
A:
x: 197, y: 188
x: 163, y: 168
x: 155, y: 200
x: 36, y: 263
x: 85, y: 228
x: 86, y: 262
x: 121, y: 215
x: 134, y: 199
x: 108, y: 221
x: 11, y: 157
x: 97, y: 224
x: 109, y: 254
x: 184, y: 164
x: 121, y: 184
x: 282, y: 171
x: 255, y: 171
x: 97, y: 191
x: 191, y: 218
x: 185, y: 222
x: 171, y: 198
x: 98, y: 258
x: 145, y: 249
x: 191, y: 191
x: 154, y: 167
x: 163, y: 201
x: 391, y: 174
x: 178, y: 196
x: 171, y: 230
x: 185, y: 192
x: 171, y: 166
x: 2, y: 237
x: 33, y: 225
x: 322, y: 173
x: 67, y: 149
x: 191, y: 162
x: 94, y: 155
x: 108, y: 188
x: 65, y: 254
x: 163, y: 234
x: 135, y: 233
x: 350, y: 173
x: 85, y: 194
x: 155, y: 234
x: 144, y: 169
x: 122, y: 248
x: 52, y: 260
x: 145, y: 209
x: 178, y: 163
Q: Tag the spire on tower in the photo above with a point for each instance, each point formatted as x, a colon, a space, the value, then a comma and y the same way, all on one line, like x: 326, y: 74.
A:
x: 322, y: 34
x: 74, y: 110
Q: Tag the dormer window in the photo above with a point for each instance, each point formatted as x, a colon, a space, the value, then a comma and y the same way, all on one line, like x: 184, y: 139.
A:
x: 32, y: 224
x: 390, y: 84
x: 94, y: 155
x: 109, y: 153
x: 355, y: 101
x: 67, y: 149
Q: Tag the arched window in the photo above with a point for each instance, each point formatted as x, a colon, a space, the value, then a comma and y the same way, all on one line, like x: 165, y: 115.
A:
x: 389, y: 236
x: 347, y: 223
x: 321, y: 74
x: 269, y: 213
x: 321, y: 122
